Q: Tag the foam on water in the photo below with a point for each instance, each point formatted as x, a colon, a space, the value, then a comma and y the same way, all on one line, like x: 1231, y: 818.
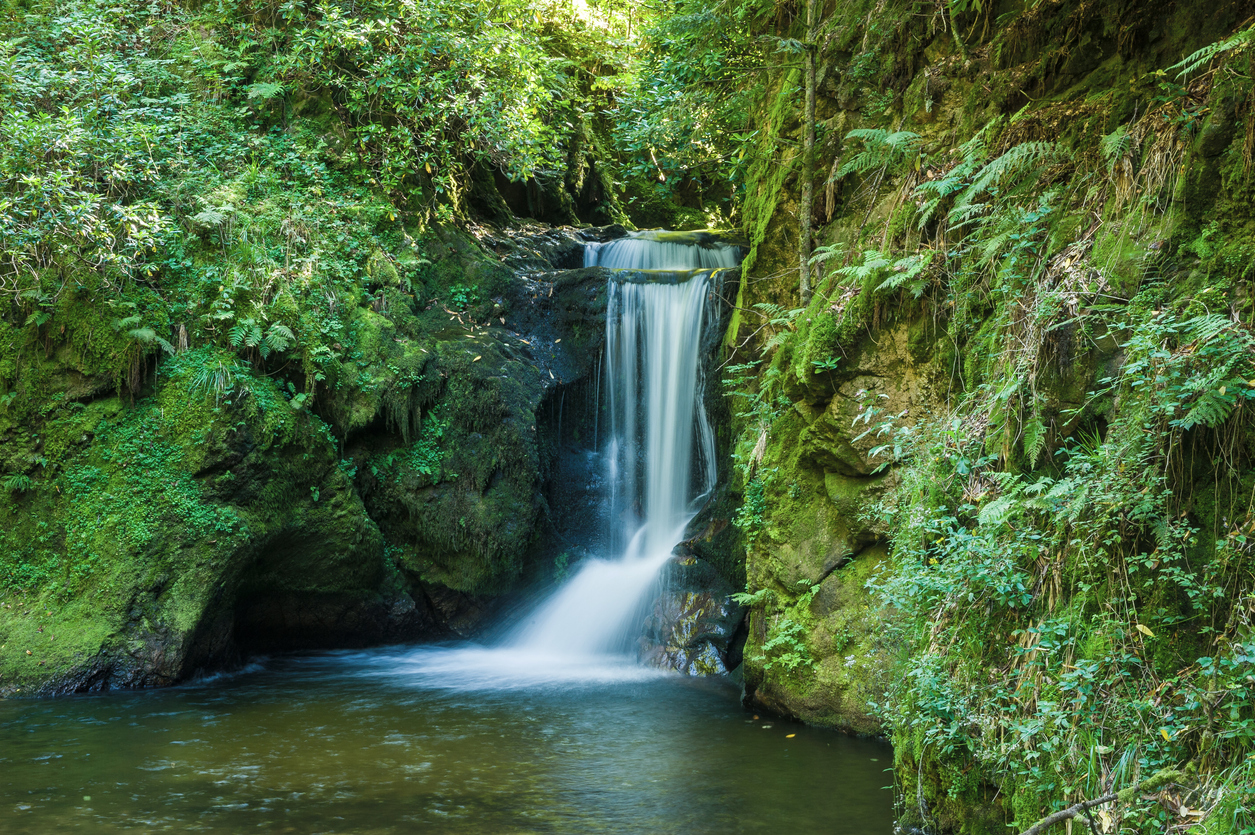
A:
x: 662, y: 251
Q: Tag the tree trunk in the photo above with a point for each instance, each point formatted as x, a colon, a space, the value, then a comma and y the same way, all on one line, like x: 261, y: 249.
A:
x: 808, y: 159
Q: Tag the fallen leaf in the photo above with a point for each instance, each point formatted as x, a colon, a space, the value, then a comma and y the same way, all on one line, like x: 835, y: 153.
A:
x: 556, y: 341
x: 1145, y: 630
x: 1164, y: 733
x: 789, y: 736
x: 477, y: 359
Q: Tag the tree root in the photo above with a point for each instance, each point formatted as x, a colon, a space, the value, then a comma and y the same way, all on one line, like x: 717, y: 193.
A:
x: 1157, y: 780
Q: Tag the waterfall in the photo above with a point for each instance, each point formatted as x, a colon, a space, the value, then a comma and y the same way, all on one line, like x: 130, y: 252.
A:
x: 662, y: 251
x: 660, y: 462
x: 660, y: 453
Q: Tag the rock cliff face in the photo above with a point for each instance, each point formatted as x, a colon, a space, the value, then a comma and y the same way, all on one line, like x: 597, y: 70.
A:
x: 204, y: 516
x: 1032, y: 221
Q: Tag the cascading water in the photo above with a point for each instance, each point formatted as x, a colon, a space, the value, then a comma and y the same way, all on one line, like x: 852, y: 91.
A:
x: 660, y: 461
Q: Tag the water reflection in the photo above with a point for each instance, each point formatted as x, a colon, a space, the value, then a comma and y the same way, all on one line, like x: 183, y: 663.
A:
x: 335, y: 743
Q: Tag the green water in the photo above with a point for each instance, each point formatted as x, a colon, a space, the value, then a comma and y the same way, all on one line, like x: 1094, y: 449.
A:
x: 368, y: 742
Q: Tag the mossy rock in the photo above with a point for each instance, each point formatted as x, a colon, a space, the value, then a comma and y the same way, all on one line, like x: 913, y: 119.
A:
x: 157, y: 522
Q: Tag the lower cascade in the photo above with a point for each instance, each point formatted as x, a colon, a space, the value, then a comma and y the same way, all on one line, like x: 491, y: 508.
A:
x: 660, y: 465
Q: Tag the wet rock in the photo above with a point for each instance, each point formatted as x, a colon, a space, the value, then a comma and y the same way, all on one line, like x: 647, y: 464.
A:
x: 536, y: 247
x: 694, y: 625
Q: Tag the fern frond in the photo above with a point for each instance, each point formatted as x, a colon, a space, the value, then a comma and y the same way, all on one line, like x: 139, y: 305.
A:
x: 18, y: 483
x: 935, y: 192
x: 777, y: 314
x: 997, y: 511
x: 1005, y: 171
x: 881, y: 149
x: 279, y: 337
x: 777, y: 339
x: 1034, y: 438
x: 1203, y: 329
x: 1211, y: 408
x: 1115, y: 146
x: 1198, y: 58
x: 905, y: 271
x: 820, y: 254
x: 873, y: 263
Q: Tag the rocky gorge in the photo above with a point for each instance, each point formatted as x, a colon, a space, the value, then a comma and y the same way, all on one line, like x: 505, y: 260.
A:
x: 979, y: 394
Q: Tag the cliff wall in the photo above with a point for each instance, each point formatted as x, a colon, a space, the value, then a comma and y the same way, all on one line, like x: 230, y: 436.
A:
x: 996, y: 474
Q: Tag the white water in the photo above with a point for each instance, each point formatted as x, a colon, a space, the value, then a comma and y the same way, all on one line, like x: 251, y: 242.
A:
x: 660, y: 459
x: 661, y: 251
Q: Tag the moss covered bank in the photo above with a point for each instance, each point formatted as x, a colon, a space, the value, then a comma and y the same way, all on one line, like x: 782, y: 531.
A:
x: 998, y: 473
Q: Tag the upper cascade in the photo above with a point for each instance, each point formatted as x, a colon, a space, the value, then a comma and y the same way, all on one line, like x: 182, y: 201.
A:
x: 655, y: 250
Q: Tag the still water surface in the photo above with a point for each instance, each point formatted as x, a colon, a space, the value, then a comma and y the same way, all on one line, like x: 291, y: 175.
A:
x: 395, y: 741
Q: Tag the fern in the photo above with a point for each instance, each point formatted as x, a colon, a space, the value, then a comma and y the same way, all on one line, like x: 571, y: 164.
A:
x: 1204, y: 380
x: 136, y: 329
x: 1238, y: 41
x: 934, y: 193
x: 247, y: 333
x: 148, y: 335
x: 1211, y: 408
x: 881, y: 150
x: 279, y: 337
x: 1034, y: 438
x: 747, y: 599
x: 1001, y: 174
x: 997, y: 511
x: 1115, y: 146
x: 826, y: 252
x: 873, y: 264
x: 1203, y: 329
x: 906, y: 273
x: 18, y: 483
x: 781, y: 319
x: 238, y: 334
x: 778, y: 315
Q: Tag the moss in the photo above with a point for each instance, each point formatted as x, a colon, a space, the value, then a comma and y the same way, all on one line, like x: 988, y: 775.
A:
x: 149, y: 515
x: 1012, y: 346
